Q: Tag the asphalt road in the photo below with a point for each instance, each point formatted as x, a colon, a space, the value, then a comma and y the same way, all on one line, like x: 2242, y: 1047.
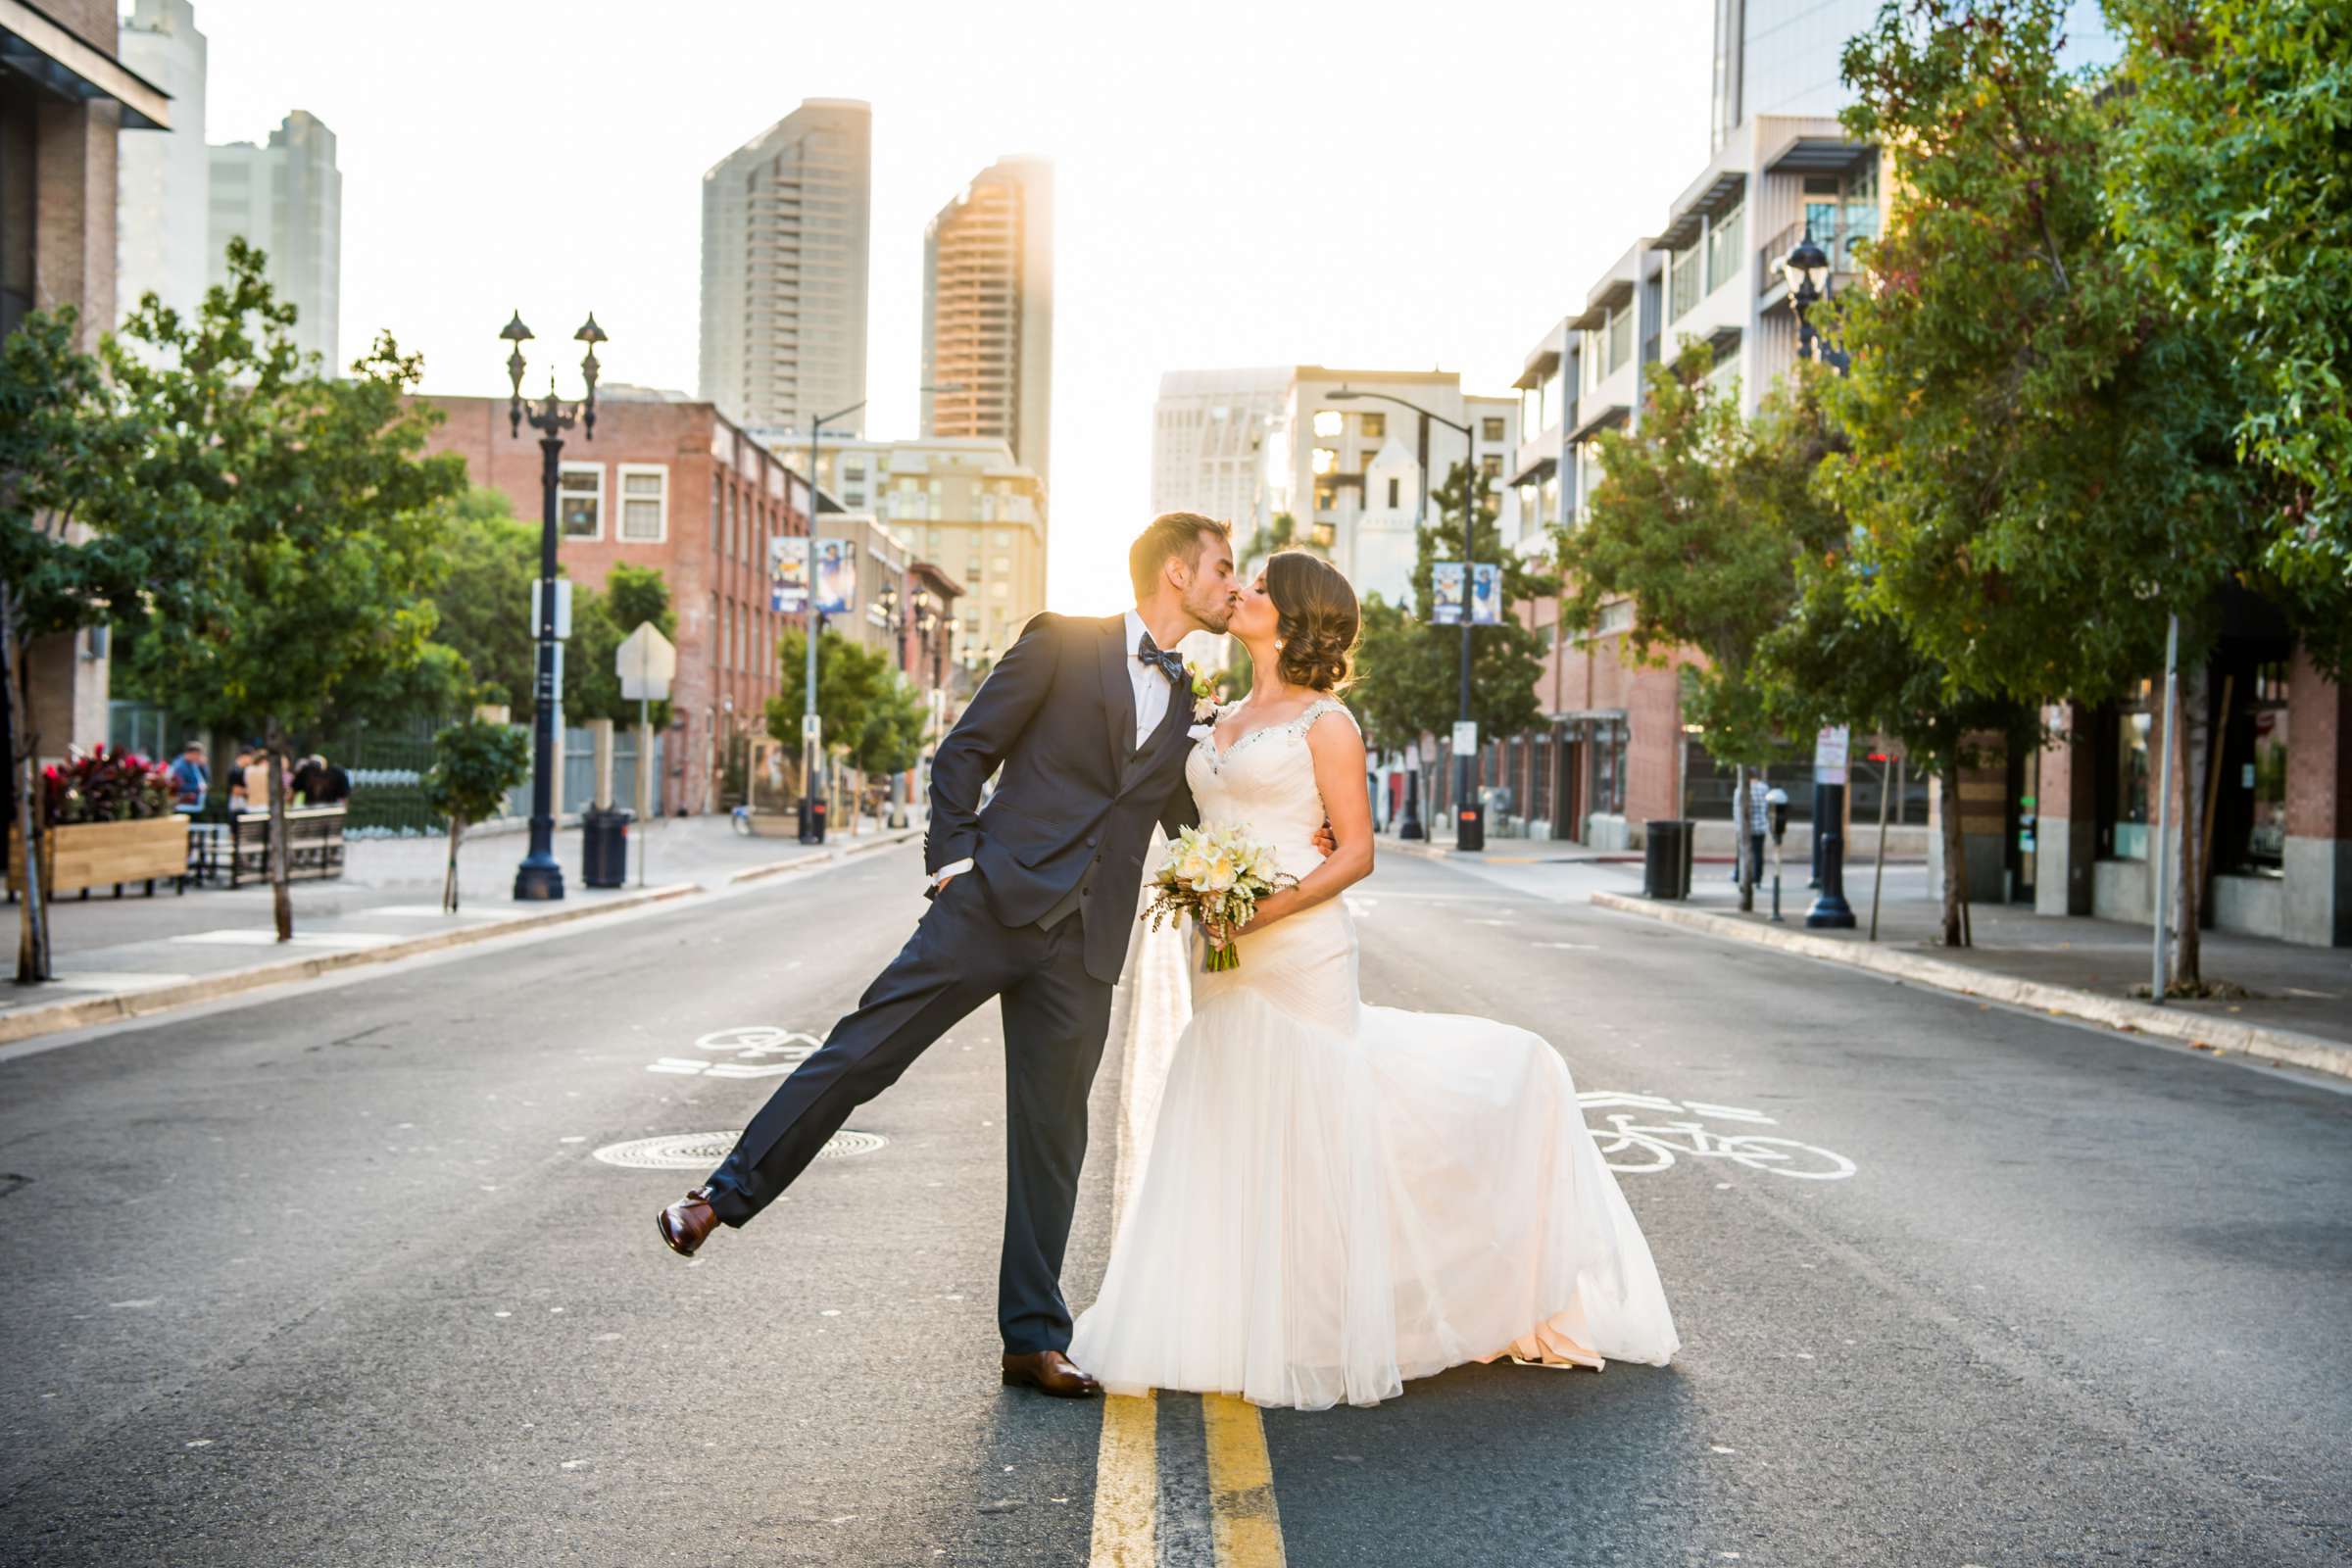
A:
x: 334, y: 1277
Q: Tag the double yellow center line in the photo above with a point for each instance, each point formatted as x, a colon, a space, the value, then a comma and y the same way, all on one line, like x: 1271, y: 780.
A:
x: 1245, y: 1527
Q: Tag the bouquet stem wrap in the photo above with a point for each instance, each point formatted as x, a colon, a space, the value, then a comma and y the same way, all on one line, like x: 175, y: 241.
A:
x: 1215, y: 876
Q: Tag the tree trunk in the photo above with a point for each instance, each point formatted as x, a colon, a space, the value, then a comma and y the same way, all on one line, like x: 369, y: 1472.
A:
x: 1955, y: 852
x: 1877, y: 868
x: 33, y: 924
x: 1739, y: 854
x: 281, y: 897
x: 448, y: 883
x: 2188, y: 753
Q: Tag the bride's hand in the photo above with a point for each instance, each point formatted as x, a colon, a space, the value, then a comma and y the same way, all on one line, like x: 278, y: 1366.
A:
x: 1325, y: 841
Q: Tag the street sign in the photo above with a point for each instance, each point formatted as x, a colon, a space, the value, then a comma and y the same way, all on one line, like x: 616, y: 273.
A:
x: 1448, y: 586
x: 563, y: 607
x: 1485, y: 594
x: 1829, y: 755
x: 812, y: 728
x: 647, y: 663
x: 1465, y: 737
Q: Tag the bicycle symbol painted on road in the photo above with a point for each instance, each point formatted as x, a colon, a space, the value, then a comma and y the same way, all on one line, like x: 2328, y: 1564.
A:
x: 1635, y: 1148
x: 760, y: 1049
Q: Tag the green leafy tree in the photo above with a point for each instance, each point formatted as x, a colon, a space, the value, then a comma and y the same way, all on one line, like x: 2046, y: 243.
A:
x: 82, y: 543
x: 601, y: 621
x: 2033, y: 435
x: 1408, y: 671
x: 1698, y: 522
x: 476, y: 763
x: 322, y: 517
x: 872, y: 718
x: 482, y: 605
x: 2228, y: 175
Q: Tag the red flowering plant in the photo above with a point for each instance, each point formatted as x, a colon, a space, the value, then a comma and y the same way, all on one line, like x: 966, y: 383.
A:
x: 104, y: 787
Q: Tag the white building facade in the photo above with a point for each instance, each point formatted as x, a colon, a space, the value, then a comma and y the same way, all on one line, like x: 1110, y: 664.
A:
x: 1208, y: 441
x: 163, y: 222
x: 288, y: 198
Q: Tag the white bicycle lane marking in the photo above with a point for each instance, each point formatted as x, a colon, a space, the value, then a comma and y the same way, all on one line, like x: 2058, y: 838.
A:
x: 1632, y: 1146
x: 760, y: 1049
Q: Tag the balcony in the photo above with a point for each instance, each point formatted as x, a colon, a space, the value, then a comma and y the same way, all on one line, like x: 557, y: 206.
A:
x: 1839, y: 244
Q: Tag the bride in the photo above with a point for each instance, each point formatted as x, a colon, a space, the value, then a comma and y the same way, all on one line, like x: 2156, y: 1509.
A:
x: 1342, y: 1197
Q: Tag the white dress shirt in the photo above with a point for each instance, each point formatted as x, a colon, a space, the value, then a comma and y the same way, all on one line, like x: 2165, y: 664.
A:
x: 1153, y: 694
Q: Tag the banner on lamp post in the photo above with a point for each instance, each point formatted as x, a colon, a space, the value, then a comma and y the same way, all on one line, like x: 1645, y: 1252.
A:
x: 787, y: 574
x: 1448, y: 590
x: 1485, y: 594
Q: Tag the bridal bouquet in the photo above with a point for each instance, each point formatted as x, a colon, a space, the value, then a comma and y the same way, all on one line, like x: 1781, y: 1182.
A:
x: 1215, y: 876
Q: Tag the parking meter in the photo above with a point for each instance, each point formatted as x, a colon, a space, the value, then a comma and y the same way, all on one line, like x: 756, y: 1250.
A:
x: 1777, y: 803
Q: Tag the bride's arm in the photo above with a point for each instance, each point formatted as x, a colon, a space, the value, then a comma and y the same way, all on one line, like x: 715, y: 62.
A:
x: 1338, y: 754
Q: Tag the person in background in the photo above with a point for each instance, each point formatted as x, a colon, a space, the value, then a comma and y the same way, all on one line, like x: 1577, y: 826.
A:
x: 330, y: 781
x: 238, y: 771
x: 189, y: 779
x: 256, y: 781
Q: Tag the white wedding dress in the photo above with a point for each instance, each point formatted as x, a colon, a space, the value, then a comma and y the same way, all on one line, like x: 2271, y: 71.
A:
x: 1339, y: 1196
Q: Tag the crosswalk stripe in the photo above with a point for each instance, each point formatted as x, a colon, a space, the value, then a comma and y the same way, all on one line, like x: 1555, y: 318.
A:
x: 1126, y: 1483
x: 1245, y: 1526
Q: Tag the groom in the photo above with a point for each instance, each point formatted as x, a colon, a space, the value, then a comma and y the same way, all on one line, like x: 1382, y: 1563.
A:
x: 1032, y: 900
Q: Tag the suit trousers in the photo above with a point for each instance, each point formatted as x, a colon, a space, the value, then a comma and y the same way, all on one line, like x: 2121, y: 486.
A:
x: 1056, y: 1016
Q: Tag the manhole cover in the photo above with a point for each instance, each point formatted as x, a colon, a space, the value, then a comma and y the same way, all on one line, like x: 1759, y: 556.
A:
x: 703, y: 1151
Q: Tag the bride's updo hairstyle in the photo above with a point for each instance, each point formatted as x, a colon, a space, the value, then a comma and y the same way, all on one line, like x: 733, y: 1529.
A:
x: 1318, y: 619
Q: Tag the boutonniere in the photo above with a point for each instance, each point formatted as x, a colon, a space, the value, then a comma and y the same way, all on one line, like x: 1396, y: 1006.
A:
x: 1205, y: 695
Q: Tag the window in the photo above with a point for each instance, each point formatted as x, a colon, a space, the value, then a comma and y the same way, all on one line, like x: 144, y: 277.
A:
x: 1327, y: 495
x: 1489, y: 465
x: 1325, y: 459
x: 1621, y: 338
x: 1727, y: 246
x: 1491, y: 428
x: 1375, y: 427
x: 1531, y: 409
x: 1328, y: 422
x: 644, y: 502
x: 2128, y: 800
x: 1683, y: 291
x: 2262, y: 773
x: 1393, y: 486
x: 580, y: 499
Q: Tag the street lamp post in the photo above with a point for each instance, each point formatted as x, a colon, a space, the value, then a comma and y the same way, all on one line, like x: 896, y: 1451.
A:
x: 1807, y: 269
x: 539, y: 877
x: 812, y: 816
x: 1469, y: 813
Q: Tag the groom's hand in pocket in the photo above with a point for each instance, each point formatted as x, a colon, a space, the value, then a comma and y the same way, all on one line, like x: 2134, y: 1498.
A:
x: 1325, y: 841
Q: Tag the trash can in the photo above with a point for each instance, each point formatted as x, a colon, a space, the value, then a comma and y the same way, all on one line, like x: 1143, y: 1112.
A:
x: 605, y: 848
x: 1666, y: 858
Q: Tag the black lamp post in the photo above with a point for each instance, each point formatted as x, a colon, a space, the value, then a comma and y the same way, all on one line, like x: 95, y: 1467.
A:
x: 1807, y: 269
x: 1469, y: 811
x: 539, y: 877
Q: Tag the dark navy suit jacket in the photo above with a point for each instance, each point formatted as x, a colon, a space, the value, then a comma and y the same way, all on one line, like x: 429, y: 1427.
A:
x: 1077, y: 799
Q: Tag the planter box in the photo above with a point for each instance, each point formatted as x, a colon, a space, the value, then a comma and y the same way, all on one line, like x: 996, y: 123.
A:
x: 97, y: 855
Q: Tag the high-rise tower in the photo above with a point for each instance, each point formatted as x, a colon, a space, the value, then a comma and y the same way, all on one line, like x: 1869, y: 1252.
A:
x: 786, y: 224
x: 288, y: 198
x: 988, y: 311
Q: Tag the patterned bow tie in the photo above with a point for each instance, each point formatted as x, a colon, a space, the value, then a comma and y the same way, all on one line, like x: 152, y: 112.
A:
x: 1169, y: 665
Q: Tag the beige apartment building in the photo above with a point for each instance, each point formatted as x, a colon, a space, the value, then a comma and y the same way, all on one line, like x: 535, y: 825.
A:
x: 988, y: 312
x: 962, y: 503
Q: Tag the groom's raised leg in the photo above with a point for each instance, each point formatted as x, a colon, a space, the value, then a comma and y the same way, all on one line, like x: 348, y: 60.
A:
x: 957, y: 958
x: 1056, y: 1021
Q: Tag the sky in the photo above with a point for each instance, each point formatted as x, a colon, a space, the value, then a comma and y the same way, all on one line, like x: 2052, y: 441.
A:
x: 1366, y: 185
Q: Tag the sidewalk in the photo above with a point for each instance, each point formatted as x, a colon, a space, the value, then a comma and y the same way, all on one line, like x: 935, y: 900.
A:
x: 114, y: 957
x: 2298, y: 1008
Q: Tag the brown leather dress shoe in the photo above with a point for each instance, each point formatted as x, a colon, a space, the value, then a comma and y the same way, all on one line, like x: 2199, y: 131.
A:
x: 1049, y: 1372
x: 688, y: 1222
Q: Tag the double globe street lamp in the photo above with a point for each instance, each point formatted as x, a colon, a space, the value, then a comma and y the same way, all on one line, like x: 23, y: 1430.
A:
x: 539, y: 877
x: 1807, y: 269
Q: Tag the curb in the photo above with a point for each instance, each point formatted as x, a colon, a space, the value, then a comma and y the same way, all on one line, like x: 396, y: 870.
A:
x: 880, y: 841
x: 2279, y: 1047
x: 120, y: 1004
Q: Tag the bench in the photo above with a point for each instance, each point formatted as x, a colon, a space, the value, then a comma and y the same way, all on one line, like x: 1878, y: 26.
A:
x: 314, y: 844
